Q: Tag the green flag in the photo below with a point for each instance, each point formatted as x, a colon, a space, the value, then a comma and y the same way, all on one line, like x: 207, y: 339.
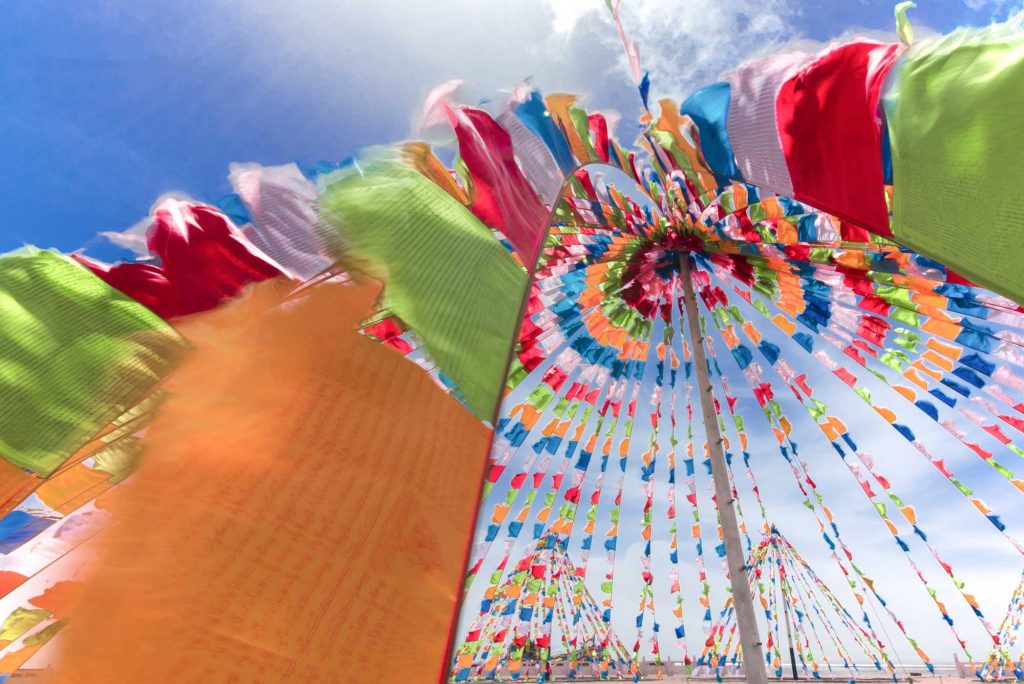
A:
x: 74, y: 355
x: 953, y: 111
x: 445, y: 273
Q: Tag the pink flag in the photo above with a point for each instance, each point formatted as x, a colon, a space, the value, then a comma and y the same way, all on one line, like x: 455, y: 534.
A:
x: 502, y: 198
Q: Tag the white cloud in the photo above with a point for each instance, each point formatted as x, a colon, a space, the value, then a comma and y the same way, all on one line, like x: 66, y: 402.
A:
x: 568, y: 13
x: 986, y: 4
x: 684, y: 45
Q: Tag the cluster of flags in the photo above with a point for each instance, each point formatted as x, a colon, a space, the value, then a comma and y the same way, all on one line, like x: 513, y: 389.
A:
x: 319, y: 377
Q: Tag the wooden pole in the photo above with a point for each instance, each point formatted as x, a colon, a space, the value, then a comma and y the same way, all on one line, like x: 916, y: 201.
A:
x: 789, y: 627
x: 753, y: 658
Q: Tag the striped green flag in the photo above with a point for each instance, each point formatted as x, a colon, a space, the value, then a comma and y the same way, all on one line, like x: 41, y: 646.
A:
x: 74, y: 355
x: 445, y: 273
x: 953, y: 109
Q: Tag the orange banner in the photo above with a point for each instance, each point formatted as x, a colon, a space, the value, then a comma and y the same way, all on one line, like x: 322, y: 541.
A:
x: 301, y: 513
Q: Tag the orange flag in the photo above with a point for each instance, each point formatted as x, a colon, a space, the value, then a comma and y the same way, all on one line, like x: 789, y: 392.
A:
x: 301, y: 513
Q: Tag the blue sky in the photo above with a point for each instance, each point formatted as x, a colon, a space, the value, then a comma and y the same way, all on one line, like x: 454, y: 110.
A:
x: 108, y: 105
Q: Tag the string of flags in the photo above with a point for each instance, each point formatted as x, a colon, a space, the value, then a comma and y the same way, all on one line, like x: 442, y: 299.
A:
x: 545, y: 305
